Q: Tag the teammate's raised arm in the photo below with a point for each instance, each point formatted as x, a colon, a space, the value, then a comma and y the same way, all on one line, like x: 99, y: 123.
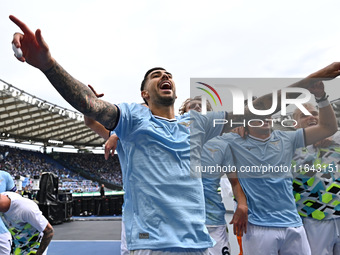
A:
x: 95, y: 125
x: 265, y: 102
x: 35, y: 52
x: 327, y: 124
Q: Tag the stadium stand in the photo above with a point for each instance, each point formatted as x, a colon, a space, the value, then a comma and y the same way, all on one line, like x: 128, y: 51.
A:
x: 19, y: 162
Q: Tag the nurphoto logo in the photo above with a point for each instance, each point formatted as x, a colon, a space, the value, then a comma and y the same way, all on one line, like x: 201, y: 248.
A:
x: 221, y: 93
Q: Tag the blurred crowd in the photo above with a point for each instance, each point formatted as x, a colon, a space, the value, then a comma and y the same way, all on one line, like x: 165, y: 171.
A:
x: 69, y: 167
x: 95, y: 165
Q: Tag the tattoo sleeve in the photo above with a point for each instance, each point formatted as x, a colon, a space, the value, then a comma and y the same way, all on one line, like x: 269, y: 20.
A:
x: 45, y: 241
x: 81, y: 97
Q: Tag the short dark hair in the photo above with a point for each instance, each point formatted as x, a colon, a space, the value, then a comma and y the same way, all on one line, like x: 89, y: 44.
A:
x: 145, y: 78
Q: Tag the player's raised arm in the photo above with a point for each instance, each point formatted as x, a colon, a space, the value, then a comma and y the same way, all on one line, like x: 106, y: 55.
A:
x: 36, y: 52
x: 327, y: 124
x: 265, y: 102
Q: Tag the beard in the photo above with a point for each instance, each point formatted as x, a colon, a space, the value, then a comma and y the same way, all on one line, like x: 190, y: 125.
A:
x: 165, y: 100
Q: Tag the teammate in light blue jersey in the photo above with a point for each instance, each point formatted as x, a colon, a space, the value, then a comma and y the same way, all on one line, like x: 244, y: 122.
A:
x: 263, y: 163
x: 214, y: 156
x: 215, y: 210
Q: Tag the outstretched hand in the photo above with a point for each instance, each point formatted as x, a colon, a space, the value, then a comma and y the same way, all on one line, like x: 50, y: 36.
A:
x: 110, y: 146
x: 329, y: 72
x: 35, y: 50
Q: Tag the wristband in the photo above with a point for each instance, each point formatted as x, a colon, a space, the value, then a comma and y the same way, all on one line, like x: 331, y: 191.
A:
x: 323, y: 103
x: 323, y: 98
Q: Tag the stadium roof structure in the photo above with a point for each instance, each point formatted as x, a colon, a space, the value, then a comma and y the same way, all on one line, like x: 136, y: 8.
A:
x: 26, y: 118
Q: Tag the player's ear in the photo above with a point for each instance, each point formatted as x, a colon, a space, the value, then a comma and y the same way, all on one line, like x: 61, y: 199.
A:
x: 145, y: 95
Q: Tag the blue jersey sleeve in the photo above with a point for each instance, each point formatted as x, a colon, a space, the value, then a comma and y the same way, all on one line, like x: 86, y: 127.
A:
x: 130, y: 114
x: 209, y: 124
x: 10, y: 186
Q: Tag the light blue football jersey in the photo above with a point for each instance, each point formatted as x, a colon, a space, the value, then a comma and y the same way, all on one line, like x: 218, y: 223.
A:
x: 214, y: 154
x: 264, y: 171
x: 6, y: 184
x: 164, y: 205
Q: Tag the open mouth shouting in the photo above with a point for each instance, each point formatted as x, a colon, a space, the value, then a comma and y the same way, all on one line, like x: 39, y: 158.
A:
x: 312, y: 123
x: 165, y: 86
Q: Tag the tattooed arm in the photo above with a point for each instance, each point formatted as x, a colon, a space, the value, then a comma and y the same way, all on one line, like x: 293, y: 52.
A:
x: 81, y: 97
x: 36, y: 53
x: 46, y: 239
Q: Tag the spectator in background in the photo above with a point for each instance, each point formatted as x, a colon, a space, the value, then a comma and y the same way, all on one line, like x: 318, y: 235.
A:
x: 102, y: 191
x: 27, y: 192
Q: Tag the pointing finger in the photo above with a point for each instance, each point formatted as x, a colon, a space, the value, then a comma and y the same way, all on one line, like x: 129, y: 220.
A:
x: 20, y: 24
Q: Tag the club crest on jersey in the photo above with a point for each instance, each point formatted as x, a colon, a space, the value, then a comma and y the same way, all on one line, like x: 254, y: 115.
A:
x: 212, y: 150
x: 276, y: 143
x: 186, y: 123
